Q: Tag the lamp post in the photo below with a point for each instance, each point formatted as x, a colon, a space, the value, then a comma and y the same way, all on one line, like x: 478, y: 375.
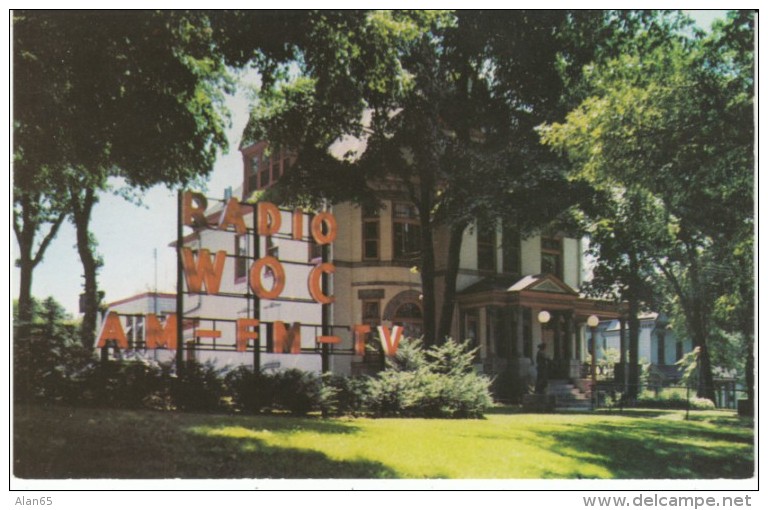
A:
x: 592, y: 322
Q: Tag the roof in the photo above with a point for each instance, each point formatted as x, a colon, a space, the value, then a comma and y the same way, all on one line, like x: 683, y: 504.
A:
x: 143, y: 295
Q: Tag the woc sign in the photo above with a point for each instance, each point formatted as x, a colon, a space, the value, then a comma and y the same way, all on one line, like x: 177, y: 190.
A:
x: 203, y: 273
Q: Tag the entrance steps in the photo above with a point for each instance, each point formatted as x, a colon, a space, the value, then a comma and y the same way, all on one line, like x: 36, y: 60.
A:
x: 567, y: 396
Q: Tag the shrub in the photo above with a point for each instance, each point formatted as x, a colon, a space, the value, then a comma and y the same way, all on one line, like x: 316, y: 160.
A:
x: 127, y: 384
x: 342, y: 395
x: 199, y: 387
x: 672, y: 398
x: 251, y: 391
x: 48, y: 362
x: 437, y: 383
x: 296, y: 391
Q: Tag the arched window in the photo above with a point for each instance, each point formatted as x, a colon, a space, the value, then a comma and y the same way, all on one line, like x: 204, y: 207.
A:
x: 409, y: 316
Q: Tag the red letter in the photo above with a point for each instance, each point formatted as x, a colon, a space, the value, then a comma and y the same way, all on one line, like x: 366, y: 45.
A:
x: 360, y: 331
x: 287, y: 341
x: 203, y: 271
x: 315, y: 290
x: 387, y: 341
x: 298, y: 225
x: 269, y: 219
x: 277, y: 270
x: 112, y: 329
x: 232, y: 216
x: 317, y: 228
x: 193, y: 209
x: 157, y: 335
x: 244, y: 334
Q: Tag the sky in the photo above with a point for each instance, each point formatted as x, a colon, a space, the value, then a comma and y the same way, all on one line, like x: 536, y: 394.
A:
x: 129, y: 236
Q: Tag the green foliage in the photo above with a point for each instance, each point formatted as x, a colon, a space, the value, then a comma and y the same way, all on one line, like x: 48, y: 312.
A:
x: 667, y: 133
x: 672, y: 398
x: 341, y: 395
x: 48, y: 359
x: 125, y: 384
x: 198, y: 388
x: 438, y: 382
x: 296, y: 391
x: 251, y: 391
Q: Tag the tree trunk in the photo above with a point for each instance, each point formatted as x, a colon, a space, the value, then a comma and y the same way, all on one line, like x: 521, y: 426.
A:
x: 81, y: 212
x: 428, y: 281
x: 451, y: 275
x: 634, y: 349
x: 28, y: 259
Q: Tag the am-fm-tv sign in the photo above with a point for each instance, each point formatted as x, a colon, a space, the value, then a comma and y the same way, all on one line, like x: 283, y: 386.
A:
x: 203, y: 273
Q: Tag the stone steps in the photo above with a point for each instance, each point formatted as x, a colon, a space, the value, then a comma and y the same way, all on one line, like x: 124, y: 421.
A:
x: 568, y: 397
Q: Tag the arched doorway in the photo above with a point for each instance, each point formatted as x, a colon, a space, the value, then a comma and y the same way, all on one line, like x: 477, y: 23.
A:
x: 405, y: 310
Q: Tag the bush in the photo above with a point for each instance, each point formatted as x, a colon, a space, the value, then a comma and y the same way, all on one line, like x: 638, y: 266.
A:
x: 199, y: 387
x: 48, y: 363
x: 437, y: 383
x: 127, y: 384
x: 342, y: 395
x: 296, y: 391
x: 251, y: 391
x: 672, y: 398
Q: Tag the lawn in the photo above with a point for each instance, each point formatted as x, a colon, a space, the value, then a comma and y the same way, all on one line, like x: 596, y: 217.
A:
x: 72, y: 442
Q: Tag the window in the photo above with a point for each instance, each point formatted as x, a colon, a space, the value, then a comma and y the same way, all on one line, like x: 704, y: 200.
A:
x: 510, y: 247
x: 408, y: 315
x: 241, y: 260
x: 486, y: 250
x: 253, y: 173
x: 264, y: 166
x: 406, y: 232
x: 552, y: 256
x: 370, y: 234
x: 315, y: 255
x: 371, y: 313
x: 265, y: 171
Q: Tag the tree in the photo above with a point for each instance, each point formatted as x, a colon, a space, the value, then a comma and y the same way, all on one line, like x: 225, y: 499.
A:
x: 126, y: 94
x: 676, y: 120
x: 446, y: 103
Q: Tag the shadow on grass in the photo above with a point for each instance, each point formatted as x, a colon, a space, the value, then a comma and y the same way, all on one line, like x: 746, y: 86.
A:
x: 64, y: 443
x: 659, y: 448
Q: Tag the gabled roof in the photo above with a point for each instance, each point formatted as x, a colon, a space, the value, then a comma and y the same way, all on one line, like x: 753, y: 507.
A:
x: 542, y: 283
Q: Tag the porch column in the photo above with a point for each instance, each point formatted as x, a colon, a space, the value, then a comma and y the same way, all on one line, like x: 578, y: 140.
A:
x: 623, y: 355
x: 519, y: 332
x: 569, y: 343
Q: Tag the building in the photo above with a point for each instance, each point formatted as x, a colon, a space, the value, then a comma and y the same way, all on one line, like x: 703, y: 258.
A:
x: 658, y: 345
x: 513, y: 293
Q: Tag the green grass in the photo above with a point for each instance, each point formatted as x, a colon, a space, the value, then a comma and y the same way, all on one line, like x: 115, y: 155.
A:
x: 68, y: 442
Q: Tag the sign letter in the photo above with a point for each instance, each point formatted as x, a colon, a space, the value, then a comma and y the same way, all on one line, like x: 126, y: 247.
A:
x: 323, y: 219
x: 287, y: 341
x: 193, y: 209
x: 204, y: 271
x: 244, y: 333
x: 279, y: 274
x: 390, y: 340
x: 269, y: 218
x: 315, y: 289
x: 157, y: 335
x: 232, y: 216
x: 112, y: 329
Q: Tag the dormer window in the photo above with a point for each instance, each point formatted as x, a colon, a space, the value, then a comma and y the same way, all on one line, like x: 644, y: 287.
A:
x: 552, y: 256
x: 264, y: 166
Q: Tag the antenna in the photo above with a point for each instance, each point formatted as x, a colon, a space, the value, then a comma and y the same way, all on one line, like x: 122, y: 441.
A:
x: 155, y: 296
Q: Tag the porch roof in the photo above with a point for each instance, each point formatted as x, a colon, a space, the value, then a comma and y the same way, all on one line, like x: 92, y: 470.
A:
x: 540, y: 291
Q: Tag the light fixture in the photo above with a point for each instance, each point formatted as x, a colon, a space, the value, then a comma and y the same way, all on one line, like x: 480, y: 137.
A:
x: 593, y: 321
x: 544, y: 316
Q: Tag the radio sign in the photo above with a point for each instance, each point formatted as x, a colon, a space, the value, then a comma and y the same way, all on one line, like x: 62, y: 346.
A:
x: 203, y: 273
